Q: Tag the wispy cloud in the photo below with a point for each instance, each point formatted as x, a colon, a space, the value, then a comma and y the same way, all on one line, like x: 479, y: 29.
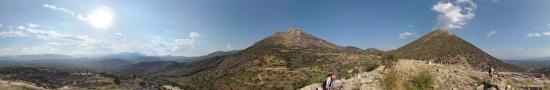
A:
x: 228, y: 47
x: 454, y: 14
x: 66, y: 11
x: 491, y: 33
x: 13, y: 34
x: 119, y: 34
x: 493, y: 1
x: 68, y: 40
x: 189, y: 41
x: 406, y: 34
x: 534, y: 35
x: 538, y: 34
x: 410, y: 26
x: 21, y: 27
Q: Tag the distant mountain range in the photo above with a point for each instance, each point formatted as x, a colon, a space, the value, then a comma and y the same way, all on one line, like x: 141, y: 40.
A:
x: 99, y: 63
x: 132, y: 56
x: 528, y: 58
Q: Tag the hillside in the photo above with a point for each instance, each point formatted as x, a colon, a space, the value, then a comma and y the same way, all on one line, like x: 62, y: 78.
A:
x: 172, y: 68
x: 285, y: 60
x: 442, y: 46
x: 30, y: 78
x: 405, y: 76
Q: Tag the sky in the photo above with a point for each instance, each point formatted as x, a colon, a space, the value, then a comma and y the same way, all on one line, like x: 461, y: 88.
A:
x: 503, y: 28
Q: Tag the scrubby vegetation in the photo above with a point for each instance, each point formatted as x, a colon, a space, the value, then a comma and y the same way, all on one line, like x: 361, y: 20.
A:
x: 311, y: 80
x: 53, y: 79
x: 389, y: 60
x: 395, y: 80
x: 421, y: 81
x: 392, y: 80
x: 369, y: 65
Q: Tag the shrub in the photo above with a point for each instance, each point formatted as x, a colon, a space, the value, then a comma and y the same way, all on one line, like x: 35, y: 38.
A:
x: 116, y: 80
x: 369, y: 65
x: 345, y: 75
x: 389, y: 60
x: 422, y: 81
x: 391, y: 80
x: 313, y: 79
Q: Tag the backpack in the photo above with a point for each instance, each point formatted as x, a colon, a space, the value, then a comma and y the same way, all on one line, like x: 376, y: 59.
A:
x: 325, y: 83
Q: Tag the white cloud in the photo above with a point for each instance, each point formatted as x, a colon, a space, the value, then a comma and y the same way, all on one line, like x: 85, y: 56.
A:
x: 194, y: 35
x: 491, y: 33
x: 189, y: 41
x: 406, y: 34
x: 453, y: 15
x: 538, y: 34
x: 67, y: 11
x: 534, y: 35
x: 410, y: 26
x: 55, y: 42
x: 13, y: 34
x: 33, y: 31
x: 119, y: 34
x: 1, y: 25
x: 21, y: 27
x: 121, y: 37
x: 228, y: 47
x: 31, y: 25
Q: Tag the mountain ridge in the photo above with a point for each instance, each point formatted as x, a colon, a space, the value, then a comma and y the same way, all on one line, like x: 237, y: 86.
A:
x: 442, y: 46
x: 284, y: 60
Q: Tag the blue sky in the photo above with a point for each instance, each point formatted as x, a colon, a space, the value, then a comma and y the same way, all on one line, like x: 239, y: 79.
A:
x: 503, y: 28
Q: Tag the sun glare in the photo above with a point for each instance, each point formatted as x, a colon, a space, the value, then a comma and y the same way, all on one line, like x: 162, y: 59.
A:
x: 102, y: 18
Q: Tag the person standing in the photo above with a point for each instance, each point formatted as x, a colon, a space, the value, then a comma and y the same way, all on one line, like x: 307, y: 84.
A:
x: 491, y: 71
x: 328, y: 83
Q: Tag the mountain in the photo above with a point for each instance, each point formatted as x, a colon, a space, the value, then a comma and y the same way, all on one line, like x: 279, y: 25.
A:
x: 172, y: 67
x: 442, y: 46
x: 374, y: 51
x: 137, y: 57
x: 284, y: 60
x: 211, y: 55
x: 94, y: 63
x: 294, y: 37
x: 106, y: 63
x: 36, y: 57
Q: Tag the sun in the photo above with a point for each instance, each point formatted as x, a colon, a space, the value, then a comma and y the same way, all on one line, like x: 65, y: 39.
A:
x: 101, y: 18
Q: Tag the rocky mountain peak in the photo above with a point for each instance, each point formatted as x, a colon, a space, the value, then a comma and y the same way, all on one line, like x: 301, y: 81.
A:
x: 441, y: 32
x: 295, y: 37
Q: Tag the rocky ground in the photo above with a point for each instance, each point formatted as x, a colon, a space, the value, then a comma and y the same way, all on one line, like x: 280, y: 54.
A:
x: 14, y: 85
x: 446, y: 77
